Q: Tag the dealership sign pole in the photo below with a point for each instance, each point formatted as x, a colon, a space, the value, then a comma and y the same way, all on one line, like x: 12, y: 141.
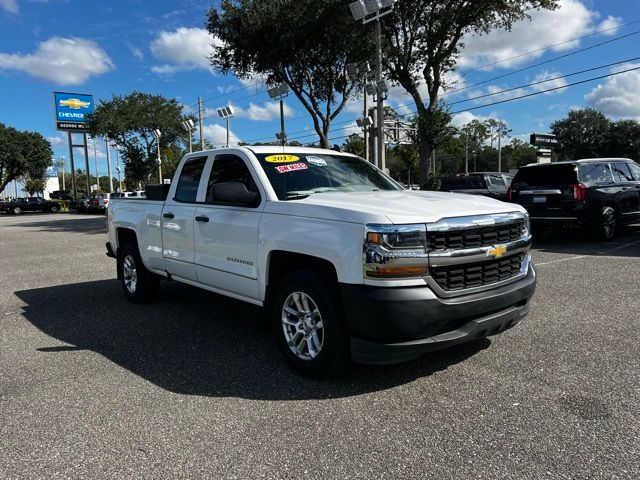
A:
x: 71, y: 110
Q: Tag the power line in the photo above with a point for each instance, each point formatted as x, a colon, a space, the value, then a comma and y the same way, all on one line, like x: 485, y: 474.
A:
x: 450, y: 92
x: 531, y: 52
x: 573, y: 74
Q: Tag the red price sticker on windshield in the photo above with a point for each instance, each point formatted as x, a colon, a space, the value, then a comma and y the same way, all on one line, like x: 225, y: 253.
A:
x: 291, y: 167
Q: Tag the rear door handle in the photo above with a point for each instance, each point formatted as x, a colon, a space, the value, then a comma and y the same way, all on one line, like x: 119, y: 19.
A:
x: 168, y: 215
x: 202, y: 218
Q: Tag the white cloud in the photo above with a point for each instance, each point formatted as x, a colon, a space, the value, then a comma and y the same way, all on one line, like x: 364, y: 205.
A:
x: 183, y: 49
x: 550, y: 79
x: 56, y: 141
x: 10, y: 6
x: 136, y: 52
x: 65, y: 61
x: 618, y: 96
x: 217, y: 134
x: 547, y: 27
x: 264, y: 113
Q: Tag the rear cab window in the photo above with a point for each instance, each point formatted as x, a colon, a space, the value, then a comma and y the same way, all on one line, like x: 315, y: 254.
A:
x: 187, y: 188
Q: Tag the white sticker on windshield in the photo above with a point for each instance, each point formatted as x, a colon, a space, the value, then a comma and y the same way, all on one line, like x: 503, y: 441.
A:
x: 317, y: 161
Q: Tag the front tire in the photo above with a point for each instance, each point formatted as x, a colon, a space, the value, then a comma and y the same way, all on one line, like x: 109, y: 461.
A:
x: 16, y: 210
x: 308, y: 323
x: 139, y: 284
x: 54, y: 209
x: 605, y: 226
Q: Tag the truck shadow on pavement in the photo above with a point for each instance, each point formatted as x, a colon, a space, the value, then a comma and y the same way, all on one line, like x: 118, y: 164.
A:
x: 66, y: 224
x: 195, y: 342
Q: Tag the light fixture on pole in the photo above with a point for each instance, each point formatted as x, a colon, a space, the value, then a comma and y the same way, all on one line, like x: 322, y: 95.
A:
x: 360, y: 72
x: 157, y: 134
x: 279, y: 92
x: 226, y: 113
x: 372, y: 11
x: 188, y: 126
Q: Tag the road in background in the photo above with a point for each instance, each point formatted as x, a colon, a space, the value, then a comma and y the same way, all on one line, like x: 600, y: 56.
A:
x: 193, y: 385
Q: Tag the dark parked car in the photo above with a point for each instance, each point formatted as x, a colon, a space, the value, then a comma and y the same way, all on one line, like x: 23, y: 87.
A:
x: 599, y: 194
x: 31, y: 204
x: 489, y: 184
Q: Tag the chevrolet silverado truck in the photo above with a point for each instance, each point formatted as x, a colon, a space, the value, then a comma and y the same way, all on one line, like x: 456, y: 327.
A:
x: 347, y: 263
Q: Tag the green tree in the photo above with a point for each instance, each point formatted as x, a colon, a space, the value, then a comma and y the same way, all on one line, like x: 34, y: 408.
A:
x: 303, y: 43
x: 34, y: 184
x: 518, y: 153
x: 423, y: 39
x: 624, y: 139
x: 582, y: 134
x: 22, y: 154
x: 130, y: 121
x: 354, y: 144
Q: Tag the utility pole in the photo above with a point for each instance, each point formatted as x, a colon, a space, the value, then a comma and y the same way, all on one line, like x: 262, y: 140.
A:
x: 200, y: 122
x: 106, y: 146
x: 95, y: 162
x: 366, y: 129
x: 499, y: 153
x: 380, y: 99
x: 466, y: 153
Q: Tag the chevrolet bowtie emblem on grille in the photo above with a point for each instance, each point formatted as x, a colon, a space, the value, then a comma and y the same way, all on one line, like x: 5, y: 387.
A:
x: 74, y: 103
x: 497, y: 251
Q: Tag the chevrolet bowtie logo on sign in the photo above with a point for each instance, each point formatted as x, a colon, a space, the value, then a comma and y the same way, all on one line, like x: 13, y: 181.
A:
x: 74, y: 103
x: 71, y: 110
x: 497, y: 251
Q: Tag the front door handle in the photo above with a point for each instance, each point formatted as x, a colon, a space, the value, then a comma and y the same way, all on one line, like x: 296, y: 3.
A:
x: 202, y: 218
x: 168, y: 215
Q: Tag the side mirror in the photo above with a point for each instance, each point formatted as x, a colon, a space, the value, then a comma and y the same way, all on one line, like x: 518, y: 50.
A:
x: 235, y: 193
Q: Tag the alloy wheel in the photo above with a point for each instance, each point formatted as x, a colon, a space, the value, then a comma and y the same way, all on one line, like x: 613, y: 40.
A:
x: 302, y: 326
x: 129, y: 274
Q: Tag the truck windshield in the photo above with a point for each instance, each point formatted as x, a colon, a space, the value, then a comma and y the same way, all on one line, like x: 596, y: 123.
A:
x: 298, y: 175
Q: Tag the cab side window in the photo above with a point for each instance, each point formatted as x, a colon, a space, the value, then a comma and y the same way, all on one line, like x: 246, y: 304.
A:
x: 596, y: 173
x: 621, y: 172
x: 187, y: 189
x: 229, y: 169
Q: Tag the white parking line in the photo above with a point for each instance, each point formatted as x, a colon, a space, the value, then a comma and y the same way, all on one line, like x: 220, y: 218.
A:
x: 596, y: 254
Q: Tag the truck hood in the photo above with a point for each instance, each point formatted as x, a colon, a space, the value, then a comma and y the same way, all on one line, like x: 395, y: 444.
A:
x: 394, y: 206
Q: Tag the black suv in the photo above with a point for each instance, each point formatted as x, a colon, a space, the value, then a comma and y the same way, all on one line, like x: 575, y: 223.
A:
x: 489, y: 184
x: 31, y: 204
x: 600, y: 194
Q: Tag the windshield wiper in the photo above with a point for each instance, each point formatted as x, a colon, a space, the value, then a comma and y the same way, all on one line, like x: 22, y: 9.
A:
x: 296, y: 196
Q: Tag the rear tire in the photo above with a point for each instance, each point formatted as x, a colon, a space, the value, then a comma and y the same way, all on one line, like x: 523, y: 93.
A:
x: 139, y: 284
x: 54, y: 209
x: 307, y: 320
x: 605, y: 226
x: 16, y: 210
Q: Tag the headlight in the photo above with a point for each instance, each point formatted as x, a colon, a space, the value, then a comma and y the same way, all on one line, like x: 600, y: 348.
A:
x: 527, y: 224
x: 395, y: 251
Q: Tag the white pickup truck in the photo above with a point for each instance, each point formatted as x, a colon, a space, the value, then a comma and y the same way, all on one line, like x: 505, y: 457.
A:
x: 348, y: 264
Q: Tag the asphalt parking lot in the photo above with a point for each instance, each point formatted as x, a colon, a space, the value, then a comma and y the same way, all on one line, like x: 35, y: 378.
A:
x: 193, y: 385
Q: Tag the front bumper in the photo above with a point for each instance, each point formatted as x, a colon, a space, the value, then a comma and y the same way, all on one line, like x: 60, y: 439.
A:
x: 392, y: 325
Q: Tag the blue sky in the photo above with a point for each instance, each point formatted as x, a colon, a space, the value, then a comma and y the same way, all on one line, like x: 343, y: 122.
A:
x: 161, y: 47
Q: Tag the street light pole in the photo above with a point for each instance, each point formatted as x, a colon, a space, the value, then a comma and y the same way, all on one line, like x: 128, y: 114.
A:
x: 380, y: 99
x: 157, y: 134
x: 370, y: 11
x: 117, y: 149
x: 106, y: 146
x: 226, y: 113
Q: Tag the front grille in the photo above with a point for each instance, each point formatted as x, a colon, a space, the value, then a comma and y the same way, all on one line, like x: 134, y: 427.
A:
x: 460, y: 277
x: 475, y: 237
